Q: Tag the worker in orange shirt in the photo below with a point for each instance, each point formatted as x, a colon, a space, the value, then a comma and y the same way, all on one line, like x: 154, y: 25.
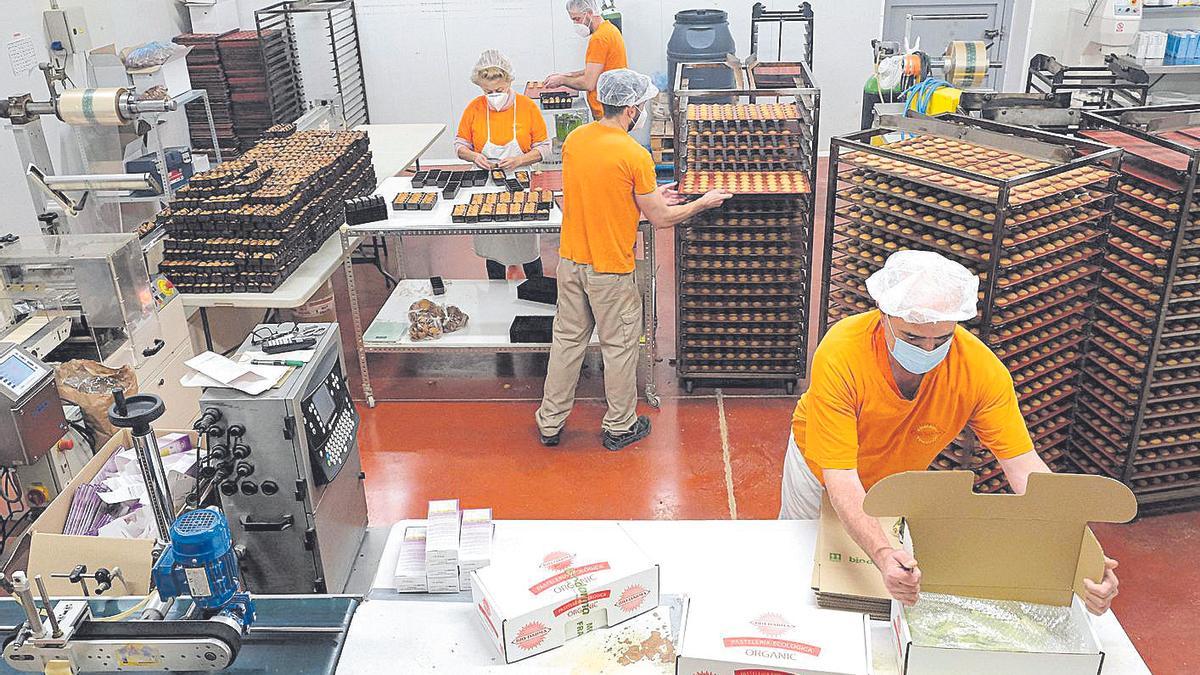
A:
x: 889, y: 390
x: 605, y: 52
x: 608, y: 183
x: 502, y: 130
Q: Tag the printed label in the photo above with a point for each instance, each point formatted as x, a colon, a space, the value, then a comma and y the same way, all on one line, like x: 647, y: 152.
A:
x: 486, y: 610
x: 772, y: 624
x: 557, y: 560
x: 633, y: 597
x: 772, y: 643
x: 531, y: 636
x: 590, y: 598
x: 570, y: 573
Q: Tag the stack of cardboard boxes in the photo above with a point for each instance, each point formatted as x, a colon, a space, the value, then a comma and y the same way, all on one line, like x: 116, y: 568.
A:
x: 662, y: 130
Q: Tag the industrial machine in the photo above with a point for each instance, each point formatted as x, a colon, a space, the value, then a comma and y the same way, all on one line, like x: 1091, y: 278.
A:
x: 31, y: 417
x: 1101, y: 27
x: 87, y: 107
x: 197, y: 561
x: 288, y: 470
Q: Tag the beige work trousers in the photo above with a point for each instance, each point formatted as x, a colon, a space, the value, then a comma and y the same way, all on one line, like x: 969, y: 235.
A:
x: 611, y: 305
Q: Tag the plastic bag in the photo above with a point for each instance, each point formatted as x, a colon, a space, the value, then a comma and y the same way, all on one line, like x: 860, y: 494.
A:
x: 89, y: 385
x: 152, y: 54
x: 952, y: 621
x: 429, y: 321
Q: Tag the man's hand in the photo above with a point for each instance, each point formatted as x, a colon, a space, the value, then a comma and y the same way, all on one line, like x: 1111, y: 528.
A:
x: 1099, y: 596
x: 553, y: 80
x: 714, y: 198
x: 900, y: 574
x: 481, y: 161
x: 671, y: 195
x: 509, y: 164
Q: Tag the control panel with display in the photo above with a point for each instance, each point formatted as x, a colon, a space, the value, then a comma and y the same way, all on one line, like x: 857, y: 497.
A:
x: 19, y: 373
x: 331, y: 424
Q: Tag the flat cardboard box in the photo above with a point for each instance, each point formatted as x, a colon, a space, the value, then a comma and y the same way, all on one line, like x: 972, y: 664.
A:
x: 843, y: 575
x: 1035, y: 547
x: 536, y: 599
x: 52, y: 552
x: 775, y: 635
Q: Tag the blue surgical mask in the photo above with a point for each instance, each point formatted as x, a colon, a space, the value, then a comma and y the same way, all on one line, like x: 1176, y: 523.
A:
x: 914, y: 359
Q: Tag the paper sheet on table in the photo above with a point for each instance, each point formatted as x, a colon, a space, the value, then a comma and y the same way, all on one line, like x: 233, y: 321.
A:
x: 213, y: 370
x: 303, y: 356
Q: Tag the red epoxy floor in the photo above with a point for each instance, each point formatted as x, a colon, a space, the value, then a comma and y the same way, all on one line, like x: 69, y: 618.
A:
x: 463, y: 427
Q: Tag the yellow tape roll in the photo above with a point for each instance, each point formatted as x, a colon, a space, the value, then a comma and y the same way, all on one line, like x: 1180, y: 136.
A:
x: 966, y: 63
x: 92, y: 107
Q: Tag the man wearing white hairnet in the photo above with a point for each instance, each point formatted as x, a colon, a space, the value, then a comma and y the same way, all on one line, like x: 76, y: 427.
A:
x: 889, y: 390
x: 605, y: 51
x: 608, y: 184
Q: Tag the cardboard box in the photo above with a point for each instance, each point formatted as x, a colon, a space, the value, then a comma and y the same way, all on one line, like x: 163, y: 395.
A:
x: 1035, y: 548
x: 537, y: 599
x: 843, y: 575
x: 51, y: 552
x: 776, y: 636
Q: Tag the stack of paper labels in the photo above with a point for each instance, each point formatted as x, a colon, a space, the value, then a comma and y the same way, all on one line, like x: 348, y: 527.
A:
x: 410, y: 566
x: 441, y: 546
x: 474, y: 544
x: 843, y: 575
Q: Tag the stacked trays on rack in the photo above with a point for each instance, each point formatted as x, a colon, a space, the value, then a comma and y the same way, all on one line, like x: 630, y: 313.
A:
x: 205, y: 72
x: 941, y: 194
x: 247, y: 224
x: 1139, y: 419
x: 264, y: 82
x: 743, y: 276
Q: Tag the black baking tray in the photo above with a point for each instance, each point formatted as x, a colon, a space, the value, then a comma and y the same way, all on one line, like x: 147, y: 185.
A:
x: 539, y: 289
x: 531, y: 329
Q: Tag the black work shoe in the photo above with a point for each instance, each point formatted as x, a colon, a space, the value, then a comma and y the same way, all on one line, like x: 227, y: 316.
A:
x: 551, y: 441
x: 640, y: 430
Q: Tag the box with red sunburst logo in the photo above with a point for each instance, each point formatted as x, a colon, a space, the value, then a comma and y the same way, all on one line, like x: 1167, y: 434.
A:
x: 773, y: 635
x: 540, y: 596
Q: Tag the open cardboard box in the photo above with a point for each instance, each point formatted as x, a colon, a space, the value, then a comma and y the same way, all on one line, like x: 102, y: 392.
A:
x: 52, y: 552
x: 844, y: 577
x: 1035, y: 547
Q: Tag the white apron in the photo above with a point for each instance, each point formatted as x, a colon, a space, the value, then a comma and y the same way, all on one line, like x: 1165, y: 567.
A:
x: 506, y: 249
x: 800, y: 497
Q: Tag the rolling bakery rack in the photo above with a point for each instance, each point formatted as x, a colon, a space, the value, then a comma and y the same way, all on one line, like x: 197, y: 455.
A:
x: 1139, y: 418
x: 744, y: 271
x: 1026, y: 210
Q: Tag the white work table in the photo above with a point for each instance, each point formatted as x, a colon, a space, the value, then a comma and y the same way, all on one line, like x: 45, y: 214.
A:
x: 710, y: 560
x: 395, y: 147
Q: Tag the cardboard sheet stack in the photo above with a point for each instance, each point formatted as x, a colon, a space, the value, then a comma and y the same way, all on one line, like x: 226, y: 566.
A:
x: 439, y: 556
x: 474, y: 544
x: 843, y: 575
x: 410, y: 568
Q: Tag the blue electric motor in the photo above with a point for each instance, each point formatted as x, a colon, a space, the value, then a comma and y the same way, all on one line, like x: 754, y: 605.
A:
x: 201, y: 563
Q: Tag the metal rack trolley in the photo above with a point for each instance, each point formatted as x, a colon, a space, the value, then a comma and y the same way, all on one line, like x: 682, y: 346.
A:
x: 1135, y: 419
x: 281, y: 59
x: 754, y: 82
x: 1038, y: 257
x: 803, y: 15
x: 432, y: 225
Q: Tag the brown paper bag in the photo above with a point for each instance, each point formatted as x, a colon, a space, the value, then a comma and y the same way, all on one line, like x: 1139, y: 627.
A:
x: 89, y: 385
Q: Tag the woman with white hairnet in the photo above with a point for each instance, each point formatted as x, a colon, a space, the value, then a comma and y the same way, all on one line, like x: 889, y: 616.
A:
x: 505, y: 130
x: 889, y: 390
x: 605, y: 51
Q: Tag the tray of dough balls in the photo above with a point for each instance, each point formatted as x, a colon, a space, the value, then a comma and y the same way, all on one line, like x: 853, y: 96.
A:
x: 745, y: 182
x: 983, y: 162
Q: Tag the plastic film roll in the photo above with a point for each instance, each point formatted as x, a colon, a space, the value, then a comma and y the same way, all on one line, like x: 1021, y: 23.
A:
x: 966, y: 63
x: 92, y: 107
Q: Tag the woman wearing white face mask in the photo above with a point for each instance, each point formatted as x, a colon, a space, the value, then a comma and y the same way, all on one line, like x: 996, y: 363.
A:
x: 505, y: 130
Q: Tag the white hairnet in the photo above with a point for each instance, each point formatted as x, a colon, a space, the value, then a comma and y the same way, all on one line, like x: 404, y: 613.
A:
x: 491, y: 58
x: 592, y: 6
x: 624, y: 87
x: 924, y: 287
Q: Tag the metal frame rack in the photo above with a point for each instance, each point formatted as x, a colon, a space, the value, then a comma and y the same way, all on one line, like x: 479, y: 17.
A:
x: 743, y: 272
x: 1024, y: 208
x: 1138, y: 418
x: 1101, y: 86
x: 493, y: 304
x: 280, y: 59
x: 802, y: 15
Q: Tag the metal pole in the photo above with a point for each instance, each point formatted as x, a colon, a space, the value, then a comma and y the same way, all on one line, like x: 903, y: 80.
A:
x: 155, y: 476
x: 55, y: 630
x: 25, y: 597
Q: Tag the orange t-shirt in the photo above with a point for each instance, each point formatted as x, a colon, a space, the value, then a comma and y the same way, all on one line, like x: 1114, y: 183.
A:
x: 603, y: 168
x: 853, y: 416
x: 606, y: 47
x: 531, y: 126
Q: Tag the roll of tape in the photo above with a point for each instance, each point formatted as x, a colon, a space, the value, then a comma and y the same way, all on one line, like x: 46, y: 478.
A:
x: 92, y: 107
x: 966, y: 63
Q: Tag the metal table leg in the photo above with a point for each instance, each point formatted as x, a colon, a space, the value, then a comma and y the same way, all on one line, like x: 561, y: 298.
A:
x: 649, y: 317
x: 355, y: 311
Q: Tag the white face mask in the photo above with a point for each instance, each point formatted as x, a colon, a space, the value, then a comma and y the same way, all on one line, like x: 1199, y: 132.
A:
x: 640, y: 121
x: 581, y: 29
x: 498, y: 100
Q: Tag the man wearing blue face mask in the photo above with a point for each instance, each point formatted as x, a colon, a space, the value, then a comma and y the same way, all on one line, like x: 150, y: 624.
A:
x: 889, y: 390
